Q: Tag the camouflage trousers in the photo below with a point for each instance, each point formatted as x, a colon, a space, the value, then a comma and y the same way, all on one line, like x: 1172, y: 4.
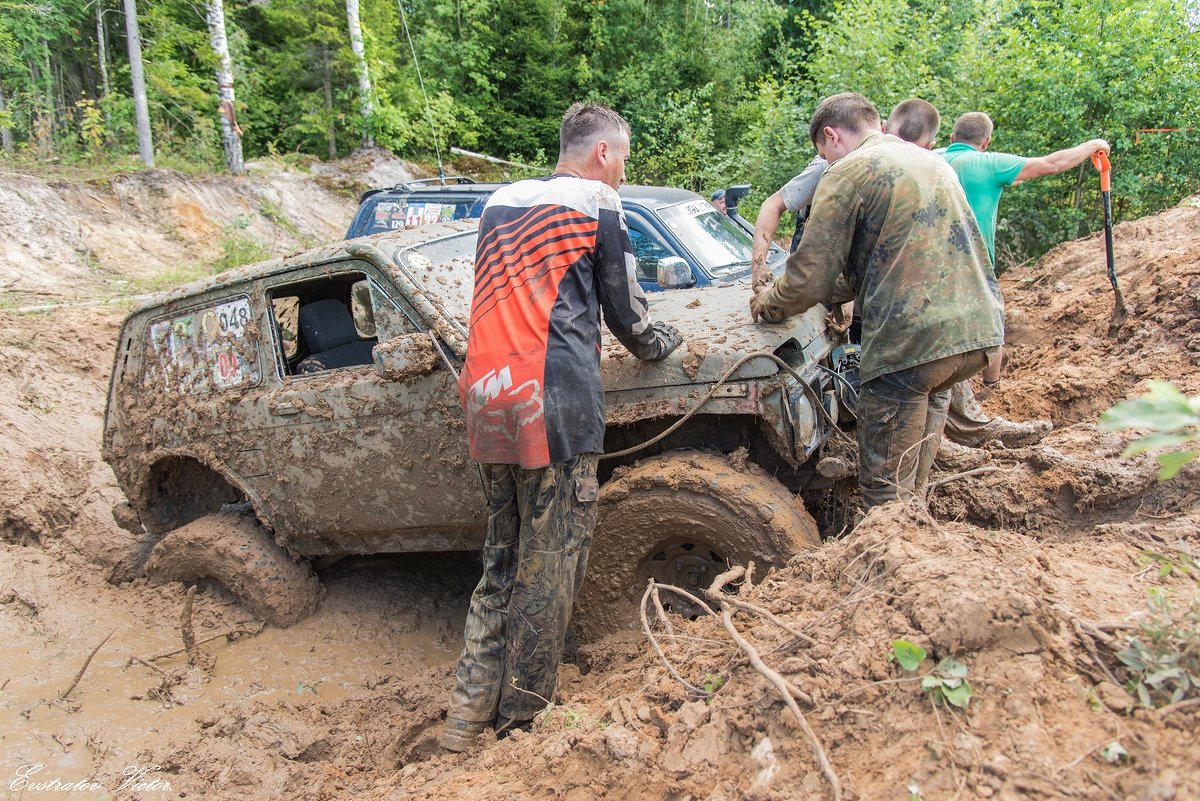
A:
x: 539, y: 533
x: 901, y: 416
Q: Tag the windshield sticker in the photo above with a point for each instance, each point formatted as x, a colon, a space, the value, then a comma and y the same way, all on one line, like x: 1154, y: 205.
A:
x: 696, y: 208
x: 433, y: 213
x: 415, y: 212
x: 203, y: 350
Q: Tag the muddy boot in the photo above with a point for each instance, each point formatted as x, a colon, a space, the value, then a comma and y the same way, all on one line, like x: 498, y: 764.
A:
x: 954, y: 457
x: 1017, y: 435
x: 460, y: 735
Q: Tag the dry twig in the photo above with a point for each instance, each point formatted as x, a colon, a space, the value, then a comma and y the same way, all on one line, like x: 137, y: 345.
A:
x: 63, y: 695
x: 780, y: 683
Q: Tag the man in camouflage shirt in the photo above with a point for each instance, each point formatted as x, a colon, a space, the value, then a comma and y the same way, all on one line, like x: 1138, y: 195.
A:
x: 891, y: 220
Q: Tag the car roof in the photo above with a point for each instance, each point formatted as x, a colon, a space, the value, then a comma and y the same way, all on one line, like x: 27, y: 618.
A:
x: 649, y: 196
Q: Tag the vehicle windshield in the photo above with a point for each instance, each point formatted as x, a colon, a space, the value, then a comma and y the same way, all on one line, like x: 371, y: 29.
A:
x: 717, y: 242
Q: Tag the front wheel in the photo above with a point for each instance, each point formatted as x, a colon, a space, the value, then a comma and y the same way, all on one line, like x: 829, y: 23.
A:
x: 235, y: 550
x: 682, y: 519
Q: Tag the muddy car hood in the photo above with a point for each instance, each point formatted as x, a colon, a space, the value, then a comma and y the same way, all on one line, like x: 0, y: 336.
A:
x: 717, y: 331
x: 715, y: 321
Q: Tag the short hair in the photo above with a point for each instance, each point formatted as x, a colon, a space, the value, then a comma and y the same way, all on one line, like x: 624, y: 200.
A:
x: 915, y: 120
x: 974, y: 128
x: 717, y: 195
x: 585, y: 123
x: 848, y: 111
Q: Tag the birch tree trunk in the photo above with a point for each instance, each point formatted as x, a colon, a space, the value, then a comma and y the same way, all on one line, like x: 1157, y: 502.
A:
x: 231, y: 135
x: 6, y: 139
x: 364, y: 76
x: 330, y: 127
x: 138, y: 78
x: 102, y: 46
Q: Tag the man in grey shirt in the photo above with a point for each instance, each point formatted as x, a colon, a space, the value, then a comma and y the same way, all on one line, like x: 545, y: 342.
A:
x: 795, y: 196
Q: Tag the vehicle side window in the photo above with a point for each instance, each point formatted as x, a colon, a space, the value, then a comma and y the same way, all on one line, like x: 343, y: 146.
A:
x: 325, y: 323
x: 646, y: 250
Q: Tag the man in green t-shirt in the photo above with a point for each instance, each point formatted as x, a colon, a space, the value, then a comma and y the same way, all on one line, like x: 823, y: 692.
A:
x: 984, y: 175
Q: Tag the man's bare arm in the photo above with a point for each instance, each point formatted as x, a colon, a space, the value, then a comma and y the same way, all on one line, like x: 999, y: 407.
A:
x: 765, y: 227
x: 1060, y: 160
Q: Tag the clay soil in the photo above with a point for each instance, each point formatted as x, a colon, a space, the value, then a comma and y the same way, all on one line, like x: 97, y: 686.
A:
x: 1029, y: 573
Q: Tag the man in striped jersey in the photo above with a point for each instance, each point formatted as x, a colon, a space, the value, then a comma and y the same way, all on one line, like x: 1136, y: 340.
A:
x: 553, y: 253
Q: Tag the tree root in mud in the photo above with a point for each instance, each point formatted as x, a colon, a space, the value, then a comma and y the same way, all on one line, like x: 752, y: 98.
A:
x: 787, y: 690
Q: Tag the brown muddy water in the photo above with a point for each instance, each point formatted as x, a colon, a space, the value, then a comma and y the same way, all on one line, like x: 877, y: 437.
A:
x: 382, y: 616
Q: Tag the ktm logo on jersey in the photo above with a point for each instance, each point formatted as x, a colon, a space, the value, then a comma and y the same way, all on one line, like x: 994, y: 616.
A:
x: 503, y: 408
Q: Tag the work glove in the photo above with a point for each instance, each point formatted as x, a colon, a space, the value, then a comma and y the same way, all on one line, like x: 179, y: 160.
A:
x: 669, y: 337
x: 759, y: 310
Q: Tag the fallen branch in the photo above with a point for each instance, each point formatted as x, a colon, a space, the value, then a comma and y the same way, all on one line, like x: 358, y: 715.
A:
x: 991, y: 468
x: 227, y: 634
x: 781, y: 684
x: 650, y: 590
x: 1179, y: 706
x: 63, y: 695
x: 196, y: 657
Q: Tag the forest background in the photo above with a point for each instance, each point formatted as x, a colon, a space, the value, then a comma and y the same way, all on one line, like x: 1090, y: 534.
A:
x: 717, y: 91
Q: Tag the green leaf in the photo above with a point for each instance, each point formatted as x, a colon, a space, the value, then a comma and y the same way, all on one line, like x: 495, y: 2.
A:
x: 908, y: 654
x: 1172, y: 463
x: 951, y: 668
x: 958, y: 696
x: 930, y: 682
x: 1153, y: 441
x: 1163, y: 408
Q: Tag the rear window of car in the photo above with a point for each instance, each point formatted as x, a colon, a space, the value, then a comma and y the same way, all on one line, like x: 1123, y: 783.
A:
x: 390, y: 212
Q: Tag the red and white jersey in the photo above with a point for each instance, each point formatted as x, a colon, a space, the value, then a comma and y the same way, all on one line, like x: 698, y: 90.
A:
x: 552, y: 253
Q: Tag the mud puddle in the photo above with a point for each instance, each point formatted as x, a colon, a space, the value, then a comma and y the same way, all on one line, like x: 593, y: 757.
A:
x: 381, y: 617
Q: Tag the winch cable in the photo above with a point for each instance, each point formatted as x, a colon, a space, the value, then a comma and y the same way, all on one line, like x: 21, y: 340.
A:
x: 724, y: 379
x: 428, y: 110
x: 759, y: 354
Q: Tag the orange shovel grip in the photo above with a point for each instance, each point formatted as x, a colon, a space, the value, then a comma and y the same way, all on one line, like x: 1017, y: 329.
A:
x: 1101, y: 163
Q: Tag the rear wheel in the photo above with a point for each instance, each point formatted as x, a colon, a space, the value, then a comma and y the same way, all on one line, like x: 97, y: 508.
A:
x: 682, y: 519
x: 235, y: 550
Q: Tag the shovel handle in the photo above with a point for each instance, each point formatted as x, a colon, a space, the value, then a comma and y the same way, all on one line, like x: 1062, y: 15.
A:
x: 1104, y: 167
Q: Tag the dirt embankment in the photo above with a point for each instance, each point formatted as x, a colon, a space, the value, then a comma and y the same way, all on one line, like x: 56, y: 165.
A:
x: 1029, y: 574
x: 141, y: 231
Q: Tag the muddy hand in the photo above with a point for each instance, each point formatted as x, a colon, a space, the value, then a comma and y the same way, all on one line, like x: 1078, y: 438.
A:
x: 760, y: 311
x: 838, y: 319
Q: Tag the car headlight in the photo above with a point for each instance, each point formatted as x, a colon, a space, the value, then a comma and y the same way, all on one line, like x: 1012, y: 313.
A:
x: 809, y: 423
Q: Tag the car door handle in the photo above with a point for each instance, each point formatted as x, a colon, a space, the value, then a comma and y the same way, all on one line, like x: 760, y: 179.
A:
x: 284, y: 405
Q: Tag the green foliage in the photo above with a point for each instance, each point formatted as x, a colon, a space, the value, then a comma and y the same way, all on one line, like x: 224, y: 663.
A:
x: 946, y: 683
x: 716, y: 92
x: 1163, y: 657
x: 909, y: 655
x: 1164, y: 410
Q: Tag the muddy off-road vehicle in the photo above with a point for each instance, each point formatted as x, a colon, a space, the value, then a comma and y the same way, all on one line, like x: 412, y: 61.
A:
x: 306, y: 409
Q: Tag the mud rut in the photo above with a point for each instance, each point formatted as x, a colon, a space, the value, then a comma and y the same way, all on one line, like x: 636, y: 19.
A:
x: 1026, y: 573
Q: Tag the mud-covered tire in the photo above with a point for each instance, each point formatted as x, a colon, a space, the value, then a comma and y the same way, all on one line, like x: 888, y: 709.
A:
x: 236, y: 551
x: 682, y: 518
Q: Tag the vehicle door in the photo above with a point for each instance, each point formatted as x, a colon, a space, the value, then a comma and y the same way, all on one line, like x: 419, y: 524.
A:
x: 353, y: 462
x: 651, y: 245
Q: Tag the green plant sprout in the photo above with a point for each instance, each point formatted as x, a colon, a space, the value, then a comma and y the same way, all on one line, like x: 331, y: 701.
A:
x: 946, y: 683
x: 1163, y: 657
x: 1172, y: 416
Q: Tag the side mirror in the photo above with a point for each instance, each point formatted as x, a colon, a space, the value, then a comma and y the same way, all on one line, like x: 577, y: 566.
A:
x: 405, y: 357
x: 734, y: 195
x: 674, y: 273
